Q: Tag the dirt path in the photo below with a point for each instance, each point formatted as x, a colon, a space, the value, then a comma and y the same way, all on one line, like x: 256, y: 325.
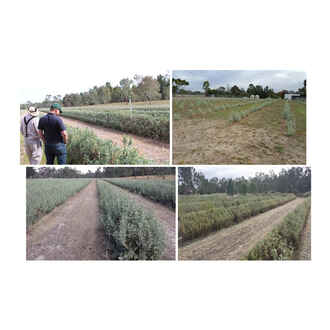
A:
x: 166, y: 217
x: 72, y: 231
x: 152, y: 150
x: 234, y: 243
x: 305, y: 249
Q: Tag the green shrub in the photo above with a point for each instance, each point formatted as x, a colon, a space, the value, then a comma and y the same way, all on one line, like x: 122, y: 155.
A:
x: 200, y: 223
x: 131, y: 232
x: 85, y: 147
x: 160, y: 191
x: 282, y: 242
x: 43, y: 195
x: 152, y: 126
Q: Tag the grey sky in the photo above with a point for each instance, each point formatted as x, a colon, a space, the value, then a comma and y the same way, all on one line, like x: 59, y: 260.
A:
x: 278, y: 80
x: 238, y: 170
x: 35, y: 88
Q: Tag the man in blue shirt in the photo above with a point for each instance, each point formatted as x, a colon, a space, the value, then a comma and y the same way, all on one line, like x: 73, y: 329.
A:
x: 53, y: 133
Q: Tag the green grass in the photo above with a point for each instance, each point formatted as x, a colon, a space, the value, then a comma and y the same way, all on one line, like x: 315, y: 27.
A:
x: 130, y: 231
x: 43, y: 195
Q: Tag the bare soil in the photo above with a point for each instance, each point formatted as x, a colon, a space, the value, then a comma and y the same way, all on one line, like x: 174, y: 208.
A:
x: 235, y: 242
x: 166, y: 218
x: 150, y: 149
x: 260, y: 138
x: 305, y: 249
x: 72, y: 231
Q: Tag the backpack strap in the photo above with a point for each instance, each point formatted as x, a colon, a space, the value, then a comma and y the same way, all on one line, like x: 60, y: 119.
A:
x: 26, y: 125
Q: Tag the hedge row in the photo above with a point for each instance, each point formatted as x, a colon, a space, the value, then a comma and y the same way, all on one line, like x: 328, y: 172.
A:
x: 197, y: 224
x: 85, y: 148
x: 156, y: 190
x: 154, y: 127
x: 131, y: 233
x: 283, y: 241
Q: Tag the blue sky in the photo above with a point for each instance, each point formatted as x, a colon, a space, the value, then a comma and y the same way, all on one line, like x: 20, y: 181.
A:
x: 276, y: 79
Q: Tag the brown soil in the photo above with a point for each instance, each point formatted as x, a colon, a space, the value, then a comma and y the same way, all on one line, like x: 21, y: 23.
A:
x: 214, y: 142
x: 150, y: 149
x: 235, y: 242
x: 305, y: 249
x: 166, y: 218
x: 72, y: 231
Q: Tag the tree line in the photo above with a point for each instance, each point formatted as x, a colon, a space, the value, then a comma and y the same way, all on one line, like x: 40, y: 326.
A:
x: 234, y: 91
x: 101, y: 172
x: 140, y: 88
x: 294, y: 180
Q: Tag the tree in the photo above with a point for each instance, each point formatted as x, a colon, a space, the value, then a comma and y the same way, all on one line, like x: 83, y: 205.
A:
x: 164, y: 86
x: 177, y: 83
x: 148, y: 89
x: 206, y: 86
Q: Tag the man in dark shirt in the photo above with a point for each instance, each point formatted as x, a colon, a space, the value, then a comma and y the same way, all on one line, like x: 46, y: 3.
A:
x: 53, y: 132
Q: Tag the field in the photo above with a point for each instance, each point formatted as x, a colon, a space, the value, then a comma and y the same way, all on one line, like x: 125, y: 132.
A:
x: 108, y: 134
x: 43, y: 195
x: 238, y: 131
x: 158, y: 190
x: 99, y: 221
x: 271, y: 226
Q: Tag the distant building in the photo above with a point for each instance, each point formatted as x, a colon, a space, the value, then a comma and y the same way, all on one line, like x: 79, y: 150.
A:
x: 292, y: 96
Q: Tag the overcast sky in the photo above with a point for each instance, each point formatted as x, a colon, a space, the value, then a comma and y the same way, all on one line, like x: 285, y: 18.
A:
x: 238, y: 170
x: 36, y: 89
x: 278, y: 80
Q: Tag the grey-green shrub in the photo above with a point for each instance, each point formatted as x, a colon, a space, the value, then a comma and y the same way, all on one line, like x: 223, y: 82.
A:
x: 131, y: 232
x: 85, y: 148
x: 283, y: 241
x: 161, y: 191
x: 43, y: 195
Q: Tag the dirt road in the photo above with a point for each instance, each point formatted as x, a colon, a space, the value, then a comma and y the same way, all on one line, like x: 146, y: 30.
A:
x: 234, y: 243
x: 152, y: 150
x: 166, y: 217
x: 72, y: 231
x: 305, y: 249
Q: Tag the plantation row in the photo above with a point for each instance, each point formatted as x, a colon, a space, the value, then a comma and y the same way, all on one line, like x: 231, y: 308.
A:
x: 155, y: 126
x: 290, y: 119
x: 161, y: 191
x: 236, y: 116
x: 86, y: 148
x: 131, y: 232
x: 283, y: 241
x: 196, y: 224
x: 43, y: 195
x: 220, y: 200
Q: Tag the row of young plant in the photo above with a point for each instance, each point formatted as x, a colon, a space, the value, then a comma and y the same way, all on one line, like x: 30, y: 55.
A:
x: 43, y: 195
x: 85, y: 148
x: 197, y: 224
x: 283, y: 241
x: 160, y: 191
x: 154, y: 127
x: 222, y: 200
x: 131, y: 232
x: 290, y: 119
x: 236, y: 116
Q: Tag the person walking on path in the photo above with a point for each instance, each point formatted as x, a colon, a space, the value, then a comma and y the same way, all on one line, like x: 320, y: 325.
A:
x: 32, y: 141
x: 53, y: 133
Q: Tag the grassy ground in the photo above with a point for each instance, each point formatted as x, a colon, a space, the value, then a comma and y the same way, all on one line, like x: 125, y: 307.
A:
x: 259, y: 138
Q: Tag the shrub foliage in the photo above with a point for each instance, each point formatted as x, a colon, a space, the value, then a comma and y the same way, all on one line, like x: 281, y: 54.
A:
x: 131, y: 232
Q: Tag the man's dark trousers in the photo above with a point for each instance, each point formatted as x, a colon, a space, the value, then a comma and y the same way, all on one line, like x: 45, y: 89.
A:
x: 57, y: 150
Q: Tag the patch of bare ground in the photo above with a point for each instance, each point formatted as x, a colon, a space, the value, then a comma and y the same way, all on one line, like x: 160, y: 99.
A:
x: 150, y: 149
x: 235, y: 242
x: 260, y: 138
x: 72, y: 231
x: 166, y: 218
x: 305, y: 248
